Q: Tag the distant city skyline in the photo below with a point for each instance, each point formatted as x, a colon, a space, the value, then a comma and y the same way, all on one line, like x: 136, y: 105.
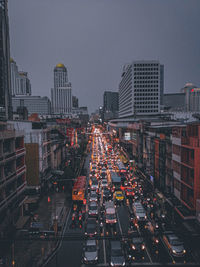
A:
x: 94, y: 39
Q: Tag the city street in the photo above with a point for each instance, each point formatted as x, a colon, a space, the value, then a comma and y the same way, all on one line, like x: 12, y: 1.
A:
x: 71, y: 250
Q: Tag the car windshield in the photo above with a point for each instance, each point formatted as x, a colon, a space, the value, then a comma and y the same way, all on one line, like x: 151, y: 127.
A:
x: 176, y: 242
x: 93, y: 195
x: 94, y: 183
x: 110, y: 216
x: 116, y: 252
x: 129, y: 190
x: 90, y: 249
x: 119, y: 194
x: 93, y: 207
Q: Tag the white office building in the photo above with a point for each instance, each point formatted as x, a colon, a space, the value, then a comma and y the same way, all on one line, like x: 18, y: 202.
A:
x: 61, y: 94
x: 20, y: 83
x: 141, y: 88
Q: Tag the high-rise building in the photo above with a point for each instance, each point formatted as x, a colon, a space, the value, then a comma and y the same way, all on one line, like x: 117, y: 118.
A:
x: 61, y: 94
x: 60, y: 76
x: 192, y: 97
x: 110, y: 105
x: 24, y: 84
x: 14, y: 78
x: 5, y: 90
x: 20, y: 83
x: 141, y: 88
x: 74, y: 101
x: 111, y: 101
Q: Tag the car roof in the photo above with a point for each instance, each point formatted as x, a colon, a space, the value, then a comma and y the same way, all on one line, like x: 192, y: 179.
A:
x: 91, y: 242
x: 115, y: 245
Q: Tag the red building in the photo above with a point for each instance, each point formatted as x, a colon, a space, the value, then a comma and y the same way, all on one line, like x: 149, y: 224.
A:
x: 186, y: 165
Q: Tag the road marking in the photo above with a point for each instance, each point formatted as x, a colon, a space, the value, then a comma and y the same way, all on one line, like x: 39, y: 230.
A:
x: 147, y: 251
x: 120, y: 228
x: 104, y: 248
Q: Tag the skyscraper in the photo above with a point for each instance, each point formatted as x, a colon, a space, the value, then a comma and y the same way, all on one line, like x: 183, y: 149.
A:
x: 110, y: 104
x: 141, y: 88
x: 61, y: 94
x: 20, y: 83
x: 5, y: 90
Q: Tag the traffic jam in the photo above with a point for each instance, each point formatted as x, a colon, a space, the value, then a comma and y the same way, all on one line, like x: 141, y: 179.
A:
x: 121, y: 219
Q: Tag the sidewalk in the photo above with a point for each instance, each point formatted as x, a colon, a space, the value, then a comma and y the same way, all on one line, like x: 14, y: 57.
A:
x: 30, y: 252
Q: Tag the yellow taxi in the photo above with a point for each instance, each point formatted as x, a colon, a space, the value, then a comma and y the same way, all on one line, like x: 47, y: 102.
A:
x: 119, y: 196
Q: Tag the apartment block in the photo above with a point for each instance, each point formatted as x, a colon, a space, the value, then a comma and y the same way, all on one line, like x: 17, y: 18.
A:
x: 186, y: 167
x: 12, y: 176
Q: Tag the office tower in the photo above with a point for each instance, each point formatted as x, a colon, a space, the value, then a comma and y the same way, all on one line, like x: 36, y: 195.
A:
x: 74, y: 102
x: 61, y: 94
x: 20, y: 83
x: 5, y: 93
x: 111, y: 101
x: 60, y: 76
x: 141, y: 88
x: 24, y: 84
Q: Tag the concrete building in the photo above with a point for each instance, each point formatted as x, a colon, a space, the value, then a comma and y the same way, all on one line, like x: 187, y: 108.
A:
x: 5, y: 87
x: 110, y: 105
x: 34, y: 104
x: 12, y: 177
x: 14, y: 78
x: 61, y: 94
x: 186, y: 171
x: 74, y: 102
x: 38, y: 154
x: 24, y: 83
x: 141, y: 88
x: 20, y: 83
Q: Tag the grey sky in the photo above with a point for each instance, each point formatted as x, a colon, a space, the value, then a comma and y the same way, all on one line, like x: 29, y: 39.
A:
x: 94, y: 38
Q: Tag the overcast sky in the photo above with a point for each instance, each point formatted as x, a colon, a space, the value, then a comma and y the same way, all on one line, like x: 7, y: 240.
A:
x: 94, y: 38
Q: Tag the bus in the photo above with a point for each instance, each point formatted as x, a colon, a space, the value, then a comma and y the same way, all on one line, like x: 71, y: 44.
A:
x: 121, y: 168
x: 78, y: 191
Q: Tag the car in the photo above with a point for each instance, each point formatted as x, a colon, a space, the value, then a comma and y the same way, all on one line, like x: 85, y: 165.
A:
x: 91, y: 227
x: 90, y: 252
x: 136, y: 247
x: 94, y: 185
x: 104, y: 183
x: 93, y: 209
x: 116, y: 254
x: 107, y: 195
x: 119, y: 196
x: 174, y: 244
x: 93, y: 196
x: 129, y: 192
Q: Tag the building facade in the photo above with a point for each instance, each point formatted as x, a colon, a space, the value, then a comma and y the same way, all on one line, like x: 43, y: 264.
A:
x: 110, y: 105
x: 12, y: 176
x: 61, y: 94
x: 5, y: 87
x: 34, y: 104
x: 141, y: 88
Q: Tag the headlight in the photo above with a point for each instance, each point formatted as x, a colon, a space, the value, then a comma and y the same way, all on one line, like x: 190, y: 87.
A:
x: 123, y: 264
x: 85, y: 259
x: 184, y: 251
x: 174, y: 251
x: 157, y: 241
x: 112, y: 264
x: 96, y: 258
x: 133, y: 247
x: 143, y: 247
